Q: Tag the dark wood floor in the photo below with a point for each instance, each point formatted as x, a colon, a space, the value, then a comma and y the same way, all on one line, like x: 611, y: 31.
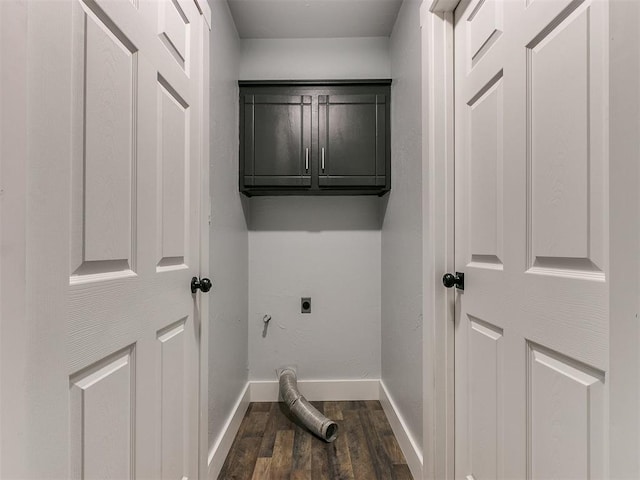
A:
x: 270, y: 445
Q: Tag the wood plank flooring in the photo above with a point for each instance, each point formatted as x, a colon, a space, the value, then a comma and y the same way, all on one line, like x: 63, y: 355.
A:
x: 271, y: 445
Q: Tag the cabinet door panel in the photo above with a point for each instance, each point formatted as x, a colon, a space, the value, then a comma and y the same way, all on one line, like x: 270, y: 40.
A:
x: 277, y: 140
x: 352, y: 130
x: 277, y: 136
x: 352, y: 140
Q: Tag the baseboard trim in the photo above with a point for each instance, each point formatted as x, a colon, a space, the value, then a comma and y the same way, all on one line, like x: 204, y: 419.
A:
x: 411, y: 450
x: 220, y: 449
x: 320, y: 390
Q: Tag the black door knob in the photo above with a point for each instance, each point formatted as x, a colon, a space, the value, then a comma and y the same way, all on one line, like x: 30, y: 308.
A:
x: 203, y: 284
x: 449, y: 280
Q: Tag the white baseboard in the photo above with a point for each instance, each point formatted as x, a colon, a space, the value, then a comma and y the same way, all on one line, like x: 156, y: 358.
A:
x: 220, y: 449
x: 412, y: 452
x: 320, y: 390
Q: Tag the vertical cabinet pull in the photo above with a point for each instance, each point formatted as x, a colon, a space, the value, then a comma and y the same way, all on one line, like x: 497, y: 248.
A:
x: 322, y: 159
x: 306, y: 159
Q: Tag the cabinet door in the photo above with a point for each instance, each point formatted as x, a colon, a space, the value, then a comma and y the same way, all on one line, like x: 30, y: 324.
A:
x: 352, y: 140
x: 276, y: 141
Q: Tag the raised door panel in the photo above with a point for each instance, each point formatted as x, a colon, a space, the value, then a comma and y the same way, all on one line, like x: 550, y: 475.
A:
x: 484, y: 147
x: 565, y: 417
x: 565, y: 157
x: 102, y: 418
x: 173, y: 400
x: 172, y: 167
x: 485, y: 28
x: 485, y: 416
x: 277, y: 141
x: 173, y: 27
x: 104, y: 158
x: 352, y: 140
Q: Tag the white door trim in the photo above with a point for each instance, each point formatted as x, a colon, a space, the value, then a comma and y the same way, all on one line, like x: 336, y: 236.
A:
x: 624, y: 225
x: 205, y: 213
x: 436, y: 18
x: 13, y: 204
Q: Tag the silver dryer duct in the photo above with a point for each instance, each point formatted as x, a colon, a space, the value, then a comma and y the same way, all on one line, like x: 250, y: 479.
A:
x: 305, y: 412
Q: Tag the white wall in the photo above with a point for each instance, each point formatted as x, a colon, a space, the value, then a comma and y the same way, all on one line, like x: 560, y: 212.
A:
x: 327, y: 248
x: 402, y: 240
x: 315, y: 58
x: 324, y: 247
x: 228, y: 300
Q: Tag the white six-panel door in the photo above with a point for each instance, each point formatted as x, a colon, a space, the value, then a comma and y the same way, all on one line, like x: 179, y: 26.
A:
x: 532, y: 238
x: 133, y: 333
x: 108, y: 366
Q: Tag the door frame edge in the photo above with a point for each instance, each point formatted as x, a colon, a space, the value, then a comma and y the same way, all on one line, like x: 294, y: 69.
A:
x: 436, y: 20
x: 624, y: 234
x: 14, y: 331
x: 204, y: 267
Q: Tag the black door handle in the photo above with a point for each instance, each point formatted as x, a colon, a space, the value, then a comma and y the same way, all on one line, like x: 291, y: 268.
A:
x: 203, y: 284
x: 449, y: 280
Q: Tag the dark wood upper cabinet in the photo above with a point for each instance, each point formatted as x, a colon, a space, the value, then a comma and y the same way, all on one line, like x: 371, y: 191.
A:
x: 315, y: 138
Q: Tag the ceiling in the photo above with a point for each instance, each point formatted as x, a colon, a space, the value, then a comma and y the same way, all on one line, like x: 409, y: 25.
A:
x: 314, y: 18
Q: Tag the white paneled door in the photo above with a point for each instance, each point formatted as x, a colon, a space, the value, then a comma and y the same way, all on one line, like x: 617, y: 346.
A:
x: 133, y: 328
x: 114, y: 197
x: 531, y: 238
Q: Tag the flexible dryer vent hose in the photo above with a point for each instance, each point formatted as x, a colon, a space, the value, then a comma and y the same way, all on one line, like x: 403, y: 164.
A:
x: 320, y: 425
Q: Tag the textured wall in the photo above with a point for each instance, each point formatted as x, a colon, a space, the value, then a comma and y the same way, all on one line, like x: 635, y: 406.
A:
x: 327, y: 248
x: 402, y: 228
x: 228, y: 235
x: 324, y: 247
x: 315, y: 58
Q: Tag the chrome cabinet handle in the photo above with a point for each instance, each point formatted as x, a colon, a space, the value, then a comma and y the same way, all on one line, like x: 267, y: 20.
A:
x: 306, y: 159
x: 323, y: 159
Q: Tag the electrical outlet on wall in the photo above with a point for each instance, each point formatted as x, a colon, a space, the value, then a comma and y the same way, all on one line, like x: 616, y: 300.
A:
x: 305, y: 305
